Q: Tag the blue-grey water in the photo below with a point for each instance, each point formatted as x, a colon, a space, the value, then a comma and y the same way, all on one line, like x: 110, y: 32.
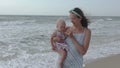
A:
x: 24, y: 40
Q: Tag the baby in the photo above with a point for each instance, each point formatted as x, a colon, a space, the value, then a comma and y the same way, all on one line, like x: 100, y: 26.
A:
x: 58, y: 40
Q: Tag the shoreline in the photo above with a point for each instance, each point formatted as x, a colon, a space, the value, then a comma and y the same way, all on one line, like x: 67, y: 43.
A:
x: 106, y: 62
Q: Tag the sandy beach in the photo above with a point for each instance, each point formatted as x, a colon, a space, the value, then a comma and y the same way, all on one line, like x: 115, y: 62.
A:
x: 108, y: 62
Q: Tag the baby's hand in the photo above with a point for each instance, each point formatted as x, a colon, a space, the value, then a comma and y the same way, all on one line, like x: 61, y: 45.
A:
x: 69, y: 33
x: 57, y: 39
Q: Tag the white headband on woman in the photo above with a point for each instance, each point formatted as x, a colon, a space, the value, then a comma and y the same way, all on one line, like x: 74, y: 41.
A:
x: 75, y: 13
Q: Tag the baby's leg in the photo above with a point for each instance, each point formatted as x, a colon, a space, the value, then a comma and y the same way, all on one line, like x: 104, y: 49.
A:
x: 63, y: 54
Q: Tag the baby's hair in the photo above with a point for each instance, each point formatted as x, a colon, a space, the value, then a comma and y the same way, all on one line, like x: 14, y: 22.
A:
x: 60, y: 20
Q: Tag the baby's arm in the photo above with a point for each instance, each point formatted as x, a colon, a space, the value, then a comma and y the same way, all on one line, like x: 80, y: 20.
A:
x: 56, y: 38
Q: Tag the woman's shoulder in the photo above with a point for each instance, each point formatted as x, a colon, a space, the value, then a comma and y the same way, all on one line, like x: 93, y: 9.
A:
x: 87, y: 30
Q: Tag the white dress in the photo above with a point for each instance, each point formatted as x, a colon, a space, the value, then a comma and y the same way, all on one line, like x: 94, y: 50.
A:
x: 74, y: 59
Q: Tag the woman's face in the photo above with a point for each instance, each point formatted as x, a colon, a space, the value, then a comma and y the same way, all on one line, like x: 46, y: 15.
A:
x: 74, y: 19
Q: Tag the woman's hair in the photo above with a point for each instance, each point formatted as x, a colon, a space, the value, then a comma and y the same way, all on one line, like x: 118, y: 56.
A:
x: 79, y: 13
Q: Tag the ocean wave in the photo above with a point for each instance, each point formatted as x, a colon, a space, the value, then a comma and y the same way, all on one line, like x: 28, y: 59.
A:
x: 25, y: 41
x: 103, y: 50
x: 17, y: 22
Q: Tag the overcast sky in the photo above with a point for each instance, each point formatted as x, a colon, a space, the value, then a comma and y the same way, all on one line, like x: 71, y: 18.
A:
x: 59, y: 7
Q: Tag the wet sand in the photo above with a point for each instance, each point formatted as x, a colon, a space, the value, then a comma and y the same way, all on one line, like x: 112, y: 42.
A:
x: 108, y: 62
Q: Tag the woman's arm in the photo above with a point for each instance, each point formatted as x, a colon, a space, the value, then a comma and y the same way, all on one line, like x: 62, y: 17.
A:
x: 54, y: 38
x: 82, y: 49
x: 53, y: 41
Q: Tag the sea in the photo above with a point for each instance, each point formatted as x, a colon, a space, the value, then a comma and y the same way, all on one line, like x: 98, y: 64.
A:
x: 25, y: 40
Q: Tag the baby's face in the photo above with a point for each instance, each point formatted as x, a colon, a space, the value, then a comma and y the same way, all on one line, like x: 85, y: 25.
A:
x: 61, y: 26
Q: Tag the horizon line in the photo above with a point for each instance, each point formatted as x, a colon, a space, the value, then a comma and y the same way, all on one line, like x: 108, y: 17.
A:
x: 44, y: 15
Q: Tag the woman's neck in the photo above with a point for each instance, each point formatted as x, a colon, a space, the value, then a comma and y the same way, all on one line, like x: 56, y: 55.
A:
x: 78, y: 29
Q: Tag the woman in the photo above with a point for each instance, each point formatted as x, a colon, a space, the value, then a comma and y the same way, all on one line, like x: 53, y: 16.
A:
x: 78, y: 39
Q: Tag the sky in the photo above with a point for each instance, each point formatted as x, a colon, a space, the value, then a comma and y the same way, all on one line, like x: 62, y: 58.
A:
x: 59, y: 7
